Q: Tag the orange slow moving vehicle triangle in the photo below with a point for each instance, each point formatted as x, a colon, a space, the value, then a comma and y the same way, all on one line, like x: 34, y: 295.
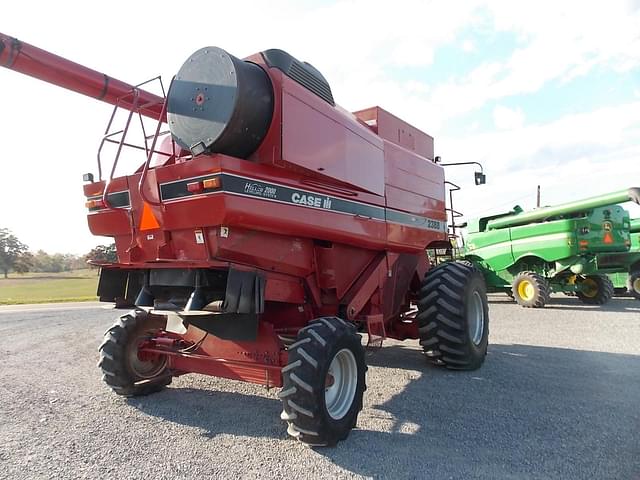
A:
x: 608, y: 238
x: 148, y: 220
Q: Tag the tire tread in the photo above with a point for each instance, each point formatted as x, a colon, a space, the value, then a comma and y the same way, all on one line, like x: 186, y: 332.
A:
x: 113, y: 357
x: 441, y: 322
x: 302, y: 393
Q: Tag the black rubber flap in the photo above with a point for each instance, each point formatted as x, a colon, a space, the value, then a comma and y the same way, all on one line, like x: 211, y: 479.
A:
x: 242, y: 327
x: 245, y: 292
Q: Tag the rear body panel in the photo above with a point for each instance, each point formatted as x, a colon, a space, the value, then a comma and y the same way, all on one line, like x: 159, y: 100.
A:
x: 619, y: 265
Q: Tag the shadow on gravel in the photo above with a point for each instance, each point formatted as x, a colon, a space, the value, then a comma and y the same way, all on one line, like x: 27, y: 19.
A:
x: 528, y: 412
x: 215, y: 412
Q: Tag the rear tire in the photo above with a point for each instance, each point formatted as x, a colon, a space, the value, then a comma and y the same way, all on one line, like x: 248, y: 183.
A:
x: 634, y: 284
x: 595, y: 290
x: 530, y: 290
x: 122, y: 369
x: 453, y: 316
x: 323, y: 382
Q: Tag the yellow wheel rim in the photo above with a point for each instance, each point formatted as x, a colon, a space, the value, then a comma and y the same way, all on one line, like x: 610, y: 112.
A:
x: 636, y: 285
x: 526, y: 290
x: 589, y: 288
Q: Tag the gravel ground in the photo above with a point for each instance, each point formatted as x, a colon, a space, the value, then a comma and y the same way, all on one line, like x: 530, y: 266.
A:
x: 557, y: 398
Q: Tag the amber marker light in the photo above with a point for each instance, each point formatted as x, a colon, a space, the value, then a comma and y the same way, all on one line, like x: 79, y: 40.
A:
x: 95, y: 203
x: 211, y: 183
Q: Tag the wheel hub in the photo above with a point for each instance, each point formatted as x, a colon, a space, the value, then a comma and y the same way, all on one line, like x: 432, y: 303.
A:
x: 340, y: 384
x: 589, y: 288
x: 142, y: 364
x: 636, y: 285
x: 329, y: 381
x: 475, y: 318
x: 526, y: 290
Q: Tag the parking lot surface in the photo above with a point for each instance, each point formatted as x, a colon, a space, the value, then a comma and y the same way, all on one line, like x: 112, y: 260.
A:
x: 558, y: 397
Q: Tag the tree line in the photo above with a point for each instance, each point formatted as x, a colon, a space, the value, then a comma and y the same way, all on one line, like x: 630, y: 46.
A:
x: 16, y: 257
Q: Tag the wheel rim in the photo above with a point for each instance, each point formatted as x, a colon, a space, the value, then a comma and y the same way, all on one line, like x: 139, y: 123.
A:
x: 341, y: 383
x: 526, y: 290
x: 149, y: 366
x: 636, y: 285
x: 475, y: 318
x: 589, y: 288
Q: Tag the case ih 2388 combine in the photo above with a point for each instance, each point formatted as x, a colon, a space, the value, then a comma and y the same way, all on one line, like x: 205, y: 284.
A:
x: 268, y: 229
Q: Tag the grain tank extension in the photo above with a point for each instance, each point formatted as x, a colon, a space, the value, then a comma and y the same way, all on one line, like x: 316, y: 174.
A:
x: 269, y: 228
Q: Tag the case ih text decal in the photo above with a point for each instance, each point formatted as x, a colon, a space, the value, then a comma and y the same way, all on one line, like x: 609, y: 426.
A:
x: 250, y: 187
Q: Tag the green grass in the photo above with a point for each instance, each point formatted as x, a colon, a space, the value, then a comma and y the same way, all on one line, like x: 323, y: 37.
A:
x: 76, y: 286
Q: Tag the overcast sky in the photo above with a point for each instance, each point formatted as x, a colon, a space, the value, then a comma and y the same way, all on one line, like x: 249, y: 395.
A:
x: 545, y: 94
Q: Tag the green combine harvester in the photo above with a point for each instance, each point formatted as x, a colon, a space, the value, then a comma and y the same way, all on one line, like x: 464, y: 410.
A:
x: 623, y: 269
x: 552, y: 249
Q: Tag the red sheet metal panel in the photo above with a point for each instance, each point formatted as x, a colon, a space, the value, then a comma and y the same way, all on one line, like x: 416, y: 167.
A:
x: 397, y: 131
x: 286, y: 254
x: 331, y: 144
x: 413, y: 183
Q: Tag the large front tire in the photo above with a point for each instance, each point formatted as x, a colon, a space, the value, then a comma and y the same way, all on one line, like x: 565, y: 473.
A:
x: 453, y: 316
x: 633, y: 284
x: 323, y: 382
x: 123, y: 369
x: 595, y: 290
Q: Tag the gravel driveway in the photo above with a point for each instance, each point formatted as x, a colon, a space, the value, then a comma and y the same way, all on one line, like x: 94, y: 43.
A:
x: 557, y: 398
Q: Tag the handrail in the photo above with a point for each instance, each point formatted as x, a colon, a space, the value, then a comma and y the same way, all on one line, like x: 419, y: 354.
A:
x: 105, y: 200
x: 138, y: 147
x: 454, y: 188
x: 145, y: 169
x: 132, y: 99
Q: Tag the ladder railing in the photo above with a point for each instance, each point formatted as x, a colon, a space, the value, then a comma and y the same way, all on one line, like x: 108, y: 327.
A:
x: 119, y: 137
x: 454, y: 214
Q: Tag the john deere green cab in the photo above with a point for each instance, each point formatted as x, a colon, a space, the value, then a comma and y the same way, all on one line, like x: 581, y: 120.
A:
x: 551, y: 249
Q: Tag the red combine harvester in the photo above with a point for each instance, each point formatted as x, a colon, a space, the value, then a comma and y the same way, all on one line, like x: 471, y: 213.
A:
x: 265, y: 232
